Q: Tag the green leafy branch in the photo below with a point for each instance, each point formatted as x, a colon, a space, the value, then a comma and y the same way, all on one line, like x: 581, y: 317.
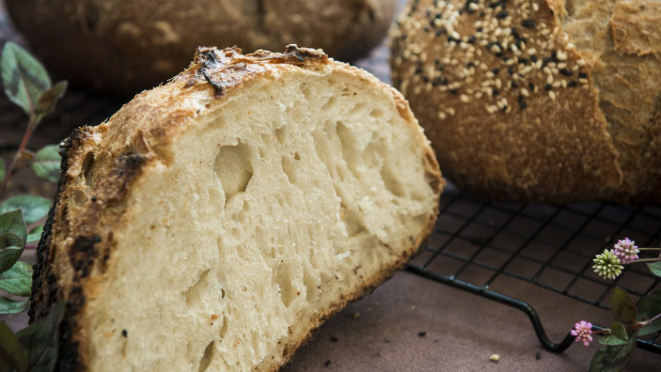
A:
x: 629, y: 321
x: 27, y: 84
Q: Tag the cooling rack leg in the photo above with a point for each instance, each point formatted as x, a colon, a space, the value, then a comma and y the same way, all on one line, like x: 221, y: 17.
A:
x: 504, y: 299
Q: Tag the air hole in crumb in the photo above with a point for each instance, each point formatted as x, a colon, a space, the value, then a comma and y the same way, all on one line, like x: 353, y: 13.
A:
x: 391, y: 182
x: 329, y: 104
x: 306, y: 92
x: 207, y: 357
x: 376, y: 113
x: 290, y: 170
x: 357, y: 108
x: 194, y: 293
x: 297, y: 156
x: 280, y: 134
x: 284, y: 280
x: 233, y: 166
x: 86, y: 171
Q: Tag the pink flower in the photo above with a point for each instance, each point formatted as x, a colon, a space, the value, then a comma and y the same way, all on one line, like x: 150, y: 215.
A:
x: 626, y: 250
x: 582, y: 331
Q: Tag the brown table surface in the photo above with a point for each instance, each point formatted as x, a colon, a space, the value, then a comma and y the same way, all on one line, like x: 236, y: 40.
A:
x: 462, y: 329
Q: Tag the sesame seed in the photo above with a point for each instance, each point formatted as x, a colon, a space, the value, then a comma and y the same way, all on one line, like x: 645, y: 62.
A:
x: 450, y: 111
x: 549, y: 79
x: 561, y: 56
x: 528, y: 23
x: 552, y: 95
x: 524, y: 92
x: 532, y: 51
x: 581, y: 62
x: 441, y: 115
x: 464, y: 98
x: 583, y: 81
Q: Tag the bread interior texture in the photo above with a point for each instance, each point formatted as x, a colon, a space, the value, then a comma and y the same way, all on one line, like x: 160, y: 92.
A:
x: 278, y: 204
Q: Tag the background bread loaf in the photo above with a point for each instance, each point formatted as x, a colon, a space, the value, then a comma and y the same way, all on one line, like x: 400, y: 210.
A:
x: 125, y: 46
x: 538, y: 100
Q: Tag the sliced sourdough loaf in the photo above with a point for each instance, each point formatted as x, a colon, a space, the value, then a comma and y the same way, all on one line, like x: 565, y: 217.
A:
x: 214, y: 222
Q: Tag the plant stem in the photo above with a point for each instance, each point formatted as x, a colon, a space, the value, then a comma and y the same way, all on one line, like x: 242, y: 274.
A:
x: 648, y: 260
x: 24, y: 142
x: 649, y: 249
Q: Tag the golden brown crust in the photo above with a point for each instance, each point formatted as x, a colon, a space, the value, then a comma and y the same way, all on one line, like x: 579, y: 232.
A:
x: 527, y: 100
x: 124, y: 46
x: 101, y: 164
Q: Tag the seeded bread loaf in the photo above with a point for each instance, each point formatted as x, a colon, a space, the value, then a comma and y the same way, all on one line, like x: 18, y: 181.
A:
x: 214, y: 222
x: 538, y: 100
x: 125, y: 46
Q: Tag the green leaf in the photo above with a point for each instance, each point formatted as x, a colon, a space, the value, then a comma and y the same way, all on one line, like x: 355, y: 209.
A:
x: 35, y: 234
x: 13, y: 222
x: 613, y: 358
x: 12, y: 354
x: 655, y: 268
x: 652, y: 328
x: 33, y: 207
x: 618, y: 335
x: 46, y: 163
x: 9, y: 306
x: 2, y: 169
x: 622, y: 307
x: 23, y: 77
x: 649, y: 306
x: 48, y: 99
x: 11, y: 249
x: 17, y: 280
x: 40, y: 341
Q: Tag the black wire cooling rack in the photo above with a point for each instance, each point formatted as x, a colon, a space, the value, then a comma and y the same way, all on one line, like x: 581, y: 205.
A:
x: 534, y: 242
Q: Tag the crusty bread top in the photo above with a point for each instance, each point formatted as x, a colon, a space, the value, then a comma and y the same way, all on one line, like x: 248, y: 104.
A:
x: 518, y: 105
x: 108, y: 159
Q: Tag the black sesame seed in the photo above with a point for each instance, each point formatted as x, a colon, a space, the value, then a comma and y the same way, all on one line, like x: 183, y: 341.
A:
x: 523, y: 105
x: 510, y: 70
x: 546, y: 61
x: 528, y: 23
x: 470, y: 64
x: 496, y: 92
x: 572, y: 84
x: 440, y: 32
x: 334, y: 339
x: 479, y: 29
x: 426, y: 29
x: 422, y: 334
x: 444, y: 82
x: 514, y: 84
x: 93, y: 199
x: 582, y: 75
x: 521, y: 98
x: 454, y: 91
x: 505, y: 108
x: 534, y: 58
x: 125, y: 333
x: 565, y: 72
x: 495, y: 71
x: 494, y: 5
x: 524, y: 61
x: 472, y: 39
x: 548, y: 87
x: 482, y: 13
x: 531, y: 86
x: 328, y: 363
x: 437, y: 61
x: 502, y: 14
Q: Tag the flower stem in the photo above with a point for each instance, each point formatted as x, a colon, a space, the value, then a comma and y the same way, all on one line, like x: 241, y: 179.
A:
x: 649, y: 249
x: 24, y: 142
x: 657, y: 259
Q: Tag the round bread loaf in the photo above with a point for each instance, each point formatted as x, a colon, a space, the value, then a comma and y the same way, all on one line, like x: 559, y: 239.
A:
x: 123, y: 46
x: 538, y: 100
